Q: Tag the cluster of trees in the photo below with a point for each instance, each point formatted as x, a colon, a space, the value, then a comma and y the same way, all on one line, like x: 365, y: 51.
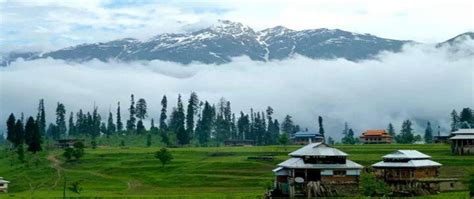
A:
x: 406, y: 135
x: 463, y: 120
x: 200, y: 123
x: 30, y: 134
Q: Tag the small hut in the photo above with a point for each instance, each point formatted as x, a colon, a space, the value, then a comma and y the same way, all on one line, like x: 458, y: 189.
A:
x: 462, y: 142
x: 239, y: 142
x: 376, y: 137
x: 316, y: 170
x: 3, y: 185
x: 409, y: 171
x: 65, y: 143
x: 306, y: 137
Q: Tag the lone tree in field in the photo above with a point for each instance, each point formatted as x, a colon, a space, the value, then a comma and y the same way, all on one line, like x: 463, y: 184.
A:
x: 164, y: 156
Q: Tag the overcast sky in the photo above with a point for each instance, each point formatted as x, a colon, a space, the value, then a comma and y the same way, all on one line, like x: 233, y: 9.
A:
x: 53, y: 24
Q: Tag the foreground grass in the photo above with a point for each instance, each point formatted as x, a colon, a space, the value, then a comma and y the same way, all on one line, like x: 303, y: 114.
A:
x: 213, y: 172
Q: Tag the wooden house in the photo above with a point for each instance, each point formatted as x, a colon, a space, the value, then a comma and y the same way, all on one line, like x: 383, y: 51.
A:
x: 409, y: 171
x: 316, y: 170
x: 306, y: 137
x: 376, y: 137
x: 239, y: 142
x: 65, y: 143
x: 3, y: 185
x: 462, y: 142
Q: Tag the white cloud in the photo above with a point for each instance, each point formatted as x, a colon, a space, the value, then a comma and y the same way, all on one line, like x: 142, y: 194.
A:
x: 40, y: 25
x: 421, y: 83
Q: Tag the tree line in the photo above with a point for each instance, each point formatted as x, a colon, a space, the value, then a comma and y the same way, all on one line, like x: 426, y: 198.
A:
x: 200, y: 123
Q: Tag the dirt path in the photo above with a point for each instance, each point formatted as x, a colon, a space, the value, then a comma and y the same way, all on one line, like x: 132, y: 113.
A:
x: 56, y: 164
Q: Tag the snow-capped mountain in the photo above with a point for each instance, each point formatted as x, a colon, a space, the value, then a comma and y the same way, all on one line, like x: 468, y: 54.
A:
x: 221, y: 42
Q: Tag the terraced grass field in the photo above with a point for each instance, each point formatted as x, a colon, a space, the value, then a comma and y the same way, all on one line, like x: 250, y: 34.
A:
x: 215, y: 172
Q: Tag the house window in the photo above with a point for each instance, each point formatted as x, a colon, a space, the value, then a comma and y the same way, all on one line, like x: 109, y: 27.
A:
x: 339, y: 172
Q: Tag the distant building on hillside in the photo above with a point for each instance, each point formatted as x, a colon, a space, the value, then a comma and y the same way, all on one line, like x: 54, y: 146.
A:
x: 239, y: 142
x: 316, y: 170
x: 65, y: 143
x: 410, y: 171
x: 3, y: 185
x: 376, y: 137
x: 441, y: 139
x: 306, y: 137
x: 462, y: 142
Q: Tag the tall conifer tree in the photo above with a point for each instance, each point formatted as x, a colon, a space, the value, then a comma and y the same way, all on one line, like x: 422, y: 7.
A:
x: 119, y: 118
x: 132, y: 120
x: 164, y: 106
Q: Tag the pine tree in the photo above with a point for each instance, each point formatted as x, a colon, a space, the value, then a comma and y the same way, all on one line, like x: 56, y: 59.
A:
x: 204, y: 125
x: 96, y: 123
x: 428, y: 133
x: 191, y: 110
x: 141, y: 109
x: 110, y: 125
x: 30, y: 126
x: 466, y: 116
x: 52, y: 130
x: 164, y: 106
x: 243, y: 126
x: 140, y: 127
x: 41, y: 117
x: 179, y: 119
x: 72, y: 127
x: 119, y: 118
x: 153, y: 128
x: 60, y: 121
x: 81, y: 120
x: 321, y: 128
x: 346, y: 129
x: 131, y: 122
x: 288, y: 126
x: 454, y: 121
x: 272, y: 131
x: 103, y: 129
x: 19, y: 134
x: 349, y: 136
x: 391, y: 130
x: 33, y: 136
x: 406, y: 135
x: 182, y: 136
x: 11, y: 133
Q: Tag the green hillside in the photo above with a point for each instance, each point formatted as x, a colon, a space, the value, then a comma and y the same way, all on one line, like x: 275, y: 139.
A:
x: 194, y: 172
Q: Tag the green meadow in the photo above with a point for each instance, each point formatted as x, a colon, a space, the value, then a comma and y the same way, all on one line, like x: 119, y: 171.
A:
x: 207, y: 172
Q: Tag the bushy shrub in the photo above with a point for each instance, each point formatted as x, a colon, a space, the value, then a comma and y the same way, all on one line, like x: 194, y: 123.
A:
x: 371, y: 186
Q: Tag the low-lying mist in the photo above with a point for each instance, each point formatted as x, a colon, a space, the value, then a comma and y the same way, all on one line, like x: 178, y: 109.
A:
x: 421, y: 83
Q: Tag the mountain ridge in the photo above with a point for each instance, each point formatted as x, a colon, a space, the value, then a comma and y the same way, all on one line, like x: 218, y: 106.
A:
x: 221, y: 42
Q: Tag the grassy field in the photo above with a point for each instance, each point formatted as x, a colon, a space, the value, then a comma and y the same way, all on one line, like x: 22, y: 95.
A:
x: 215, y: 172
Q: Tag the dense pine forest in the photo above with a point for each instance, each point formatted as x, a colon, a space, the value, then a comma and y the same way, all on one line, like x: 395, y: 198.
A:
x: 199, y: 124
